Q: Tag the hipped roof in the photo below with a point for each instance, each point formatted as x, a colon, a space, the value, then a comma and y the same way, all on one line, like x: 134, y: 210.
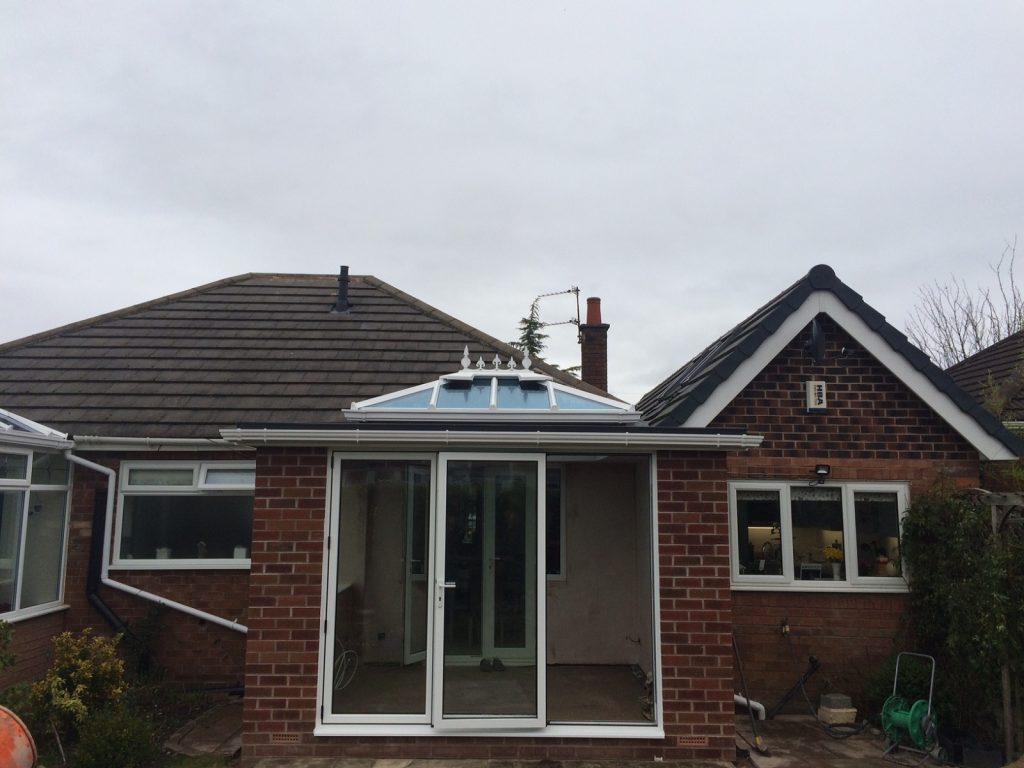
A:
x: 251, y: 348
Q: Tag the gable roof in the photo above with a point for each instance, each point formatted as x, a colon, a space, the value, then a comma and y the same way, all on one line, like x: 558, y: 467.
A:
x: 1001, y: 364
x: 251, y: 348
x: 697, y: 392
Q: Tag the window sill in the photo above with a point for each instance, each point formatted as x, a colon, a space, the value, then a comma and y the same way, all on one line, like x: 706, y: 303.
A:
x: 33, y: 613
x: 650, y: 731
x: 900, y: 587
x: 182, y: 565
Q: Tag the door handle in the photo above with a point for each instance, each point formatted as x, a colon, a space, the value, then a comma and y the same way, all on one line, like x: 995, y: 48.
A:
x: 447, y: 585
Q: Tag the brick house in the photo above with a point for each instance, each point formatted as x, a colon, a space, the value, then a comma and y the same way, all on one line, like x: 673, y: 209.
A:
x: 855, y: 421
x: 406, y: 540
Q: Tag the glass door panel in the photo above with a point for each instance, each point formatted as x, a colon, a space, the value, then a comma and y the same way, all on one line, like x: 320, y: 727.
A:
x: 417, y: 546
x: 487, y: 592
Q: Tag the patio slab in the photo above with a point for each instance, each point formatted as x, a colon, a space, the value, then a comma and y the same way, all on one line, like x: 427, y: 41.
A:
x: 328, y: 762
x: 799, y: 741
x: 217, y: 731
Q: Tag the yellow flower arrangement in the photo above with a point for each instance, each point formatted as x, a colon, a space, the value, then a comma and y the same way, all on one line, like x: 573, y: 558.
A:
x: 833, y: 554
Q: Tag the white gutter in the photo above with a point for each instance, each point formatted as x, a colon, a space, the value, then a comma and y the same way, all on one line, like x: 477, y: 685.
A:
x: 103, y: 443
x: 105, y: 567
x: 27, y: 440
x: 370, y: 437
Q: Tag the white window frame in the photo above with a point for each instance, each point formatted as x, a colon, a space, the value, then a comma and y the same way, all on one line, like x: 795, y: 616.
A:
x: 787, y: 580
x: 27, y: 487
x: 561, y: 575
x: 332, y: 544
x: 419, y: 725
x: 198, y: 487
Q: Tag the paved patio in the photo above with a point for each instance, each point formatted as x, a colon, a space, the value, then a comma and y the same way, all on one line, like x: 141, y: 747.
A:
x: 799, y: 741
x: 793, y: 741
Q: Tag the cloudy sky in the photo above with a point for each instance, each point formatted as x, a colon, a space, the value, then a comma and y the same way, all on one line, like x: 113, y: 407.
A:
x: 684, y: 161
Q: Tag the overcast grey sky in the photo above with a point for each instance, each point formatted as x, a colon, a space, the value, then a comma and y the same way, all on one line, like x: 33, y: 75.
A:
x: 684, y: 161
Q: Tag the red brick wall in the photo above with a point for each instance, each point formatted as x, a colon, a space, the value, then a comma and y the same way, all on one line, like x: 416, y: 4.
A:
x: 871, y: 415
x: 188, y: 649
x: 31, y: 648
x: 849, y: 633
x: 875, y: 429
x: 696, y: 612
x: 285, y: 625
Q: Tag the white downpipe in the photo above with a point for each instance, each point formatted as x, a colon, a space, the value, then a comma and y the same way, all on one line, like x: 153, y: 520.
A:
x: 108, y: 522
x: 756, y: 706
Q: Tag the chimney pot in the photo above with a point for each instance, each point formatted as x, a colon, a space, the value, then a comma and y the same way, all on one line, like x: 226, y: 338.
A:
x: 593, y: 311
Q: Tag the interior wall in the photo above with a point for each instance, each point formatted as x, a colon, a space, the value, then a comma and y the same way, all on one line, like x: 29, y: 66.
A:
x: 385, y: 579
x: 600, y: 612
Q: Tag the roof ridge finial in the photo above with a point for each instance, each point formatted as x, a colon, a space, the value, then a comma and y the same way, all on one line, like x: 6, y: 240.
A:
x: 496, y: 362
x: 480, y: 364
x: 527, y: 362
x: 465, y: 357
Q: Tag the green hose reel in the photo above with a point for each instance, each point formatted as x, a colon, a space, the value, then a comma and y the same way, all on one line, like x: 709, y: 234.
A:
x: 915, y: 722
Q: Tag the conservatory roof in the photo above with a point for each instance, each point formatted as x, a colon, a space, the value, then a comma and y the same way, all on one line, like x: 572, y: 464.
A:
x: 17, y: 430
x: 493, y: 391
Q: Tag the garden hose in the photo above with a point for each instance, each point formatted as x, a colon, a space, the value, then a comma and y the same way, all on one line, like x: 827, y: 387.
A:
x: 835, y: 731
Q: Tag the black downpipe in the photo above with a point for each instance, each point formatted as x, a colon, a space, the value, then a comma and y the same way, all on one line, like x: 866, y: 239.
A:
x: 92, y: 579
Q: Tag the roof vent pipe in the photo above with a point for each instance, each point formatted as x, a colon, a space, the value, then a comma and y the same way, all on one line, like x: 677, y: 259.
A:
x: 341, y: 305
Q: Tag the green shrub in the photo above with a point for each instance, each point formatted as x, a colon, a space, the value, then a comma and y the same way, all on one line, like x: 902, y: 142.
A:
x: 19, y: 699
x: 115, y: 736
x: 6, y: 638
x: 966, y: 604
x: 86, y: 674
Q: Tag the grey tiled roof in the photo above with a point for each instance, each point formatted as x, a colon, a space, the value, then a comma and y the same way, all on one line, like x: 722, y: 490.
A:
x: 672, y: 401
x: 252, y: 348
x: 1000, y: 365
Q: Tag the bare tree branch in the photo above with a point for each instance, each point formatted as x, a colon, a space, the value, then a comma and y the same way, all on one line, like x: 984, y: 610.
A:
x: 950, y: 322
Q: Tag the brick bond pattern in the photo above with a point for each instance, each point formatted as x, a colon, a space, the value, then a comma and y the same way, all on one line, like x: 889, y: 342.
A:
x: 31, y: 648
x: 285, y: 629
x: 875, y: 429
x: 186, y: 648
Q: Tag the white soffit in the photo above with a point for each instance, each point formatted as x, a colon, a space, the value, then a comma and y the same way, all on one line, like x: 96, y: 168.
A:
x: 826, y: 302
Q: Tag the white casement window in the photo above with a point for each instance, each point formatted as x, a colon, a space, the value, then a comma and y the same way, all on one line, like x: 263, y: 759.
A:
x: 185, y: 514
x: 837, y: 536
x: 33, y: 528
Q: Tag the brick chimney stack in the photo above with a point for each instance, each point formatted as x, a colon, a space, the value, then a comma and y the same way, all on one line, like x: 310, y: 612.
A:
x: 594, y: 341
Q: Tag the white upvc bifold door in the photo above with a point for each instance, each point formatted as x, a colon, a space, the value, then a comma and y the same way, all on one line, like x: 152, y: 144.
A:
x: 488, y: 665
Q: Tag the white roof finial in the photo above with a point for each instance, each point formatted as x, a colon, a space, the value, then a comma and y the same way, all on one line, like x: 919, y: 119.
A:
x: 480, y: 362
x: 496, y: 361
x: 511, y: 363
x: 465, y: 357
x: 527, y: 362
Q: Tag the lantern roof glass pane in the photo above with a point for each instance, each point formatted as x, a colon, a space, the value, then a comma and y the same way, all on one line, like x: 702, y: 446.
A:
x: 489, y: 392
